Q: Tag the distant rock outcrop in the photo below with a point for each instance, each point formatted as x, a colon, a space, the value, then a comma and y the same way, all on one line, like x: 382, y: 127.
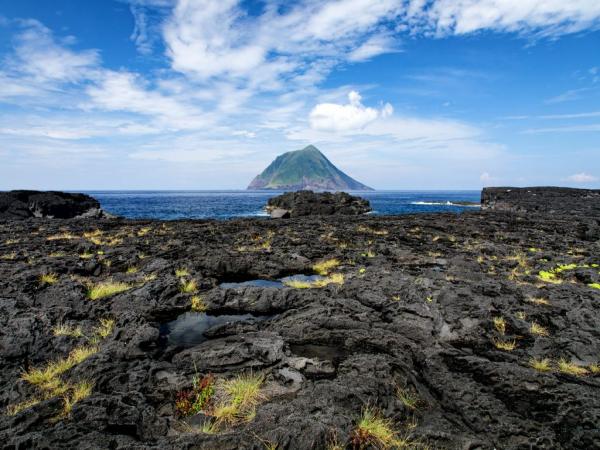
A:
x: 542, y: 200
x: 305, y: 169
x: 51, y: 204
x: 308, y: 203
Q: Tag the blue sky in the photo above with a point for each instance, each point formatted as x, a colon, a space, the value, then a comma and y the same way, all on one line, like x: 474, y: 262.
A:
x: 400, y: 94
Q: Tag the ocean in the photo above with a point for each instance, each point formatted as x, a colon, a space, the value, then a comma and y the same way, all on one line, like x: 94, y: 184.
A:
x: 172, y: 205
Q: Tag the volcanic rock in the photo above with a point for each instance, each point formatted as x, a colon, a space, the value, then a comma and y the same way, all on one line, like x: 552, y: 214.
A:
x: 308, y: 203
x: 52, y: 204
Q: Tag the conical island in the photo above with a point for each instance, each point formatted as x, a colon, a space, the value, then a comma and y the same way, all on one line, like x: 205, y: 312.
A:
x: 306, y: 169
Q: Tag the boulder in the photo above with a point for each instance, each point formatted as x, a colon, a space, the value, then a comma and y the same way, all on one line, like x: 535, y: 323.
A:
x: 52, y: 204
x: 309, y: 203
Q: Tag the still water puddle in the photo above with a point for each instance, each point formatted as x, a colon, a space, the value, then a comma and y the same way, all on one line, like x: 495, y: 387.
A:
x: 271, y: 284
x: 188, y: 329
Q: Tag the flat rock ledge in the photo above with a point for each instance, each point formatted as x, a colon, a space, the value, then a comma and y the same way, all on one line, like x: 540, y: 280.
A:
x: 309, y: 203
x: 24, y: 204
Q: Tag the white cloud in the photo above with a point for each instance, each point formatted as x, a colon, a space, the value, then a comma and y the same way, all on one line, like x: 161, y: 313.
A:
x: 581, y: 178
x: 374, y: 46
x: 352, y: 116
x: 542, y: 17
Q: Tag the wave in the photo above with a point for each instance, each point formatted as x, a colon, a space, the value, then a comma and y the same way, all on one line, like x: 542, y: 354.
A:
x: 446, y: 203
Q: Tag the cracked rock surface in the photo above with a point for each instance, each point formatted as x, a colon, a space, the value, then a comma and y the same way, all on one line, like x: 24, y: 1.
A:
x: 436, y: 325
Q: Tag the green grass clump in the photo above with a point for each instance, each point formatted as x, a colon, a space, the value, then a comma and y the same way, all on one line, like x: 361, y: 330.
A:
x: 324, y: 267
x: 106, y: 289
x: 240, y: 397
x: 594, y: 285
x: 548, y: 276
x: 13, y: 410
x: 374, y: 430
x: 336, y: 278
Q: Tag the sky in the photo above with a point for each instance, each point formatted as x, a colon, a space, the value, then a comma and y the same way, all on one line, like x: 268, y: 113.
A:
x: 204, y: 94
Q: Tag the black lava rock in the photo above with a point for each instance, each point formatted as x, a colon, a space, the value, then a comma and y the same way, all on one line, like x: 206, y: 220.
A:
x: 59, y: 205
x: 309, y: 203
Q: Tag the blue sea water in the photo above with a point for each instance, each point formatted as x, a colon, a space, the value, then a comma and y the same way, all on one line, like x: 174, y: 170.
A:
x: 171, y: 205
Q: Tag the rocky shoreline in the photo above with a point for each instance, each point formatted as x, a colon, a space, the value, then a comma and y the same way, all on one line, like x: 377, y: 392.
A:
x: 476, y: 331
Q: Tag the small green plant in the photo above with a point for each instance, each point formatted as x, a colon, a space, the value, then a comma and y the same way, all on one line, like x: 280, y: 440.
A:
x: 188, y: 287
x: 594, y: 285
x: 86, y: 255
x: 48, y: 278
x: 541, y: 365
x: 191, y: 401
x: 408, y: 397
x: 131, y: 270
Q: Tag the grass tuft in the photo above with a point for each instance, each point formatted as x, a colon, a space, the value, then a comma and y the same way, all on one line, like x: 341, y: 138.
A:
x: 47, y: 375
x: 48, y: 278
x: 13, y: 410
x: 242, y: 395
x: 538, y: 329
x: 571, y: 368
x: 188, y: 287
x: 66, y: 330
x: 408, y: 397
x: 594, y: 285
x: 374, y: 430
x: 105, y: 328
x: 181, y: 272
x: 539, y: 301
x: 508, y: 346
x: 336, y: 278
x: 542, y: 365
x: 324, y: 267
x: 500, y: 324
x: 132, y: 269
x: 198, y: 304
x: 81, y: 390
x: 106, y: 289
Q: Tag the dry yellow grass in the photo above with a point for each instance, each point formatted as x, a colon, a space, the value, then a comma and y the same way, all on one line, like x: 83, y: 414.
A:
x: 181, y: 272
x: 105, y: 328
x: 198, y: 304
x: 188, y: 287
x: 46, y: 375
x: 374, y: 430
x: 500, y: 324
x: 336, y: 278
x: 239, y: 398
x: 324, y: 267
x: 508, y: 346
x: 106, y: 289
x: 66, y: 330
x: 13, y: 410
x: 48, y: 278
x: 539, y: 301
x: 571, y: 368
x: 542, y: 365
x: 538, y: 329
x: 81, y: 390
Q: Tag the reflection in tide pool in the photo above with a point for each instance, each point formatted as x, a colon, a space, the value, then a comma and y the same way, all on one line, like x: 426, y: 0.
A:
x: 188, y: 329
x: 272, y: 284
